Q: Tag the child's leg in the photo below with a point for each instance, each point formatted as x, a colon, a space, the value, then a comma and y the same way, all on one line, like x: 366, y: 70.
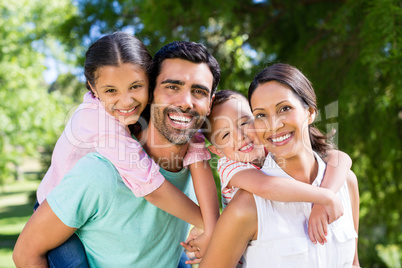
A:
x: 70, y: 254
x: 355, y: 202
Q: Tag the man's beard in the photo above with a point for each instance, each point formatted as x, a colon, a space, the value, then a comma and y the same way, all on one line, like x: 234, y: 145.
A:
x: 175, y: 136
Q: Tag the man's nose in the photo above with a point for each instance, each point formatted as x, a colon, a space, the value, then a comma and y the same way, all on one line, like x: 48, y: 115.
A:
x: 185, y: 100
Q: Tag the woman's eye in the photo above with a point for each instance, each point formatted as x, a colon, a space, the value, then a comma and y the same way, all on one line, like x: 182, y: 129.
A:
x: 111, y: 90
x: 284, y: 109
x: 225, y: 135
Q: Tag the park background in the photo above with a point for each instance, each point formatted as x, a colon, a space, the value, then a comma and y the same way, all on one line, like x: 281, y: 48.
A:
x: 350, y: 50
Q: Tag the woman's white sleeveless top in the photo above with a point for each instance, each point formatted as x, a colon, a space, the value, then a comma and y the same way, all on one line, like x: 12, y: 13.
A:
x: 282, y: 231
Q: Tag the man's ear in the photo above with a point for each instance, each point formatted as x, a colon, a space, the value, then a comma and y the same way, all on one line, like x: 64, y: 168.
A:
x: 210, y: 104
x: 311, y: 115
x: 214, y: 150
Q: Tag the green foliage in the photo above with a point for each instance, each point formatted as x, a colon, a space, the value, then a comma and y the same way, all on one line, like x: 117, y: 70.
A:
x: 30, y: 117
x: 350, y: 50
x: 390, y: 255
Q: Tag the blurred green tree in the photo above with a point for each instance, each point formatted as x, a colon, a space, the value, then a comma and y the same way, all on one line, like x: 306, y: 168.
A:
x: 30, y: 117
x: 350, y: 50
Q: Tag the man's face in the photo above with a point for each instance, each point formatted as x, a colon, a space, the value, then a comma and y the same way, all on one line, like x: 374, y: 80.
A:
x: 182, y: 99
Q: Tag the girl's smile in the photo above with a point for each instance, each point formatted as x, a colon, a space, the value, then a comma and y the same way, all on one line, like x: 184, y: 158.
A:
x: 248, y: 147
x: 123, y: 90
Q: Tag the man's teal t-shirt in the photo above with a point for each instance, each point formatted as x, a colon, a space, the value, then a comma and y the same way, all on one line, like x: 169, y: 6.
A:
x: 117, y: 228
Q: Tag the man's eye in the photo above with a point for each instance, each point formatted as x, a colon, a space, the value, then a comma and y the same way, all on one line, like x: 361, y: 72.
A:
x: 225, y: 135
x: 172, y: 87
x: 201, y: 92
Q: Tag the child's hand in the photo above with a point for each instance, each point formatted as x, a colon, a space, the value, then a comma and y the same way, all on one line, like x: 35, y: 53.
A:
x: 318, y: 224
x: 196, y: 248
x: 334, y: 209
x: 194, y: 233
x: 321, y: 216
x: 192, y: 249
x: 201, y: 243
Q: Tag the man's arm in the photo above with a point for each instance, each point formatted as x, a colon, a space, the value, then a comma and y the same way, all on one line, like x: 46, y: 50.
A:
x: 44, y: 231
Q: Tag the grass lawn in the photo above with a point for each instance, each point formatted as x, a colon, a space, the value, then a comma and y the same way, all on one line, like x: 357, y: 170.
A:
x: 15, y: 210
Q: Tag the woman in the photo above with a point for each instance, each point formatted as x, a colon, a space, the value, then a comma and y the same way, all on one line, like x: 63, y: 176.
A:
x: 270, y: 233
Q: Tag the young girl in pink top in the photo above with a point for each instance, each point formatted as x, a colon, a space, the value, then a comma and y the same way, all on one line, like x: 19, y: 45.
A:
x: 116, y: 69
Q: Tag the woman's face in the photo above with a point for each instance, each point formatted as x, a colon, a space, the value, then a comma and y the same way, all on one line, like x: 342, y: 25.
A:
x: 233, y: 132
x: 123, y: 90
x: 280, y: 120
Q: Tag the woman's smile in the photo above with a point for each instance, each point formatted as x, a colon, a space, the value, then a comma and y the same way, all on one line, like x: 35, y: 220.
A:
x: 281, y: 139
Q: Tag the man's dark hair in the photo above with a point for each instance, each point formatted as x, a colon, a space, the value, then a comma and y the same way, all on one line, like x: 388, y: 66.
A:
x: 189, y: 51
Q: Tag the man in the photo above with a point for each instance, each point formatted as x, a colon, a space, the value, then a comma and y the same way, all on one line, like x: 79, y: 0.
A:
x: 130, y: 231
x: 183, y: 80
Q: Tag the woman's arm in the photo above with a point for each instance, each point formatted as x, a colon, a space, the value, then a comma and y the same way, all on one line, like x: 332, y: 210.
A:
x: 236, y: 226
x: 44, y: 231
x: 355, y: 202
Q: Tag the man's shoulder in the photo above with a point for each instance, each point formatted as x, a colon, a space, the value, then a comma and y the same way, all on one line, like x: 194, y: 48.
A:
x: 94, y: 167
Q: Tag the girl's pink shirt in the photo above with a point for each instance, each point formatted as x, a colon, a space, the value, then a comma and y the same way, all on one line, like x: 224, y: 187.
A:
x: 92, y: 129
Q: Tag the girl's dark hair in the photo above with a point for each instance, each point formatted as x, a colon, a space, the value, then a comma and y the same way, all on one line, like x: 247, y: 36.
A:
x: 113, y: 50
x: 303, y: 90
x: 221, y: 96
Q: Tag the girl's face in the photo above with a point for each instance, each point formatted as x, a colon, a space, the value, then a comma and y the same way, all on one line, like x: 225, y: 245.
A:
x: 280, y: 119
x: 123, y: 90
x: 233, y: 132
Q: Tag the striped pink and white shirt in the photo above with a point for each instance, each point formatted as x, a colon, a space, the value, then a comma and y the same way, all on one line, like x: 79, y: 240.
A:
x: 227, y: 169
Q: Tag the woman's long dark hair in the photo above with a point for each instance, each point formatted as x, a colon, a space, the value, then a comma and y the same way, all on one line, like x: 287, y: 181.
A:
x: 302, y: 88
x: 113, y: 50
